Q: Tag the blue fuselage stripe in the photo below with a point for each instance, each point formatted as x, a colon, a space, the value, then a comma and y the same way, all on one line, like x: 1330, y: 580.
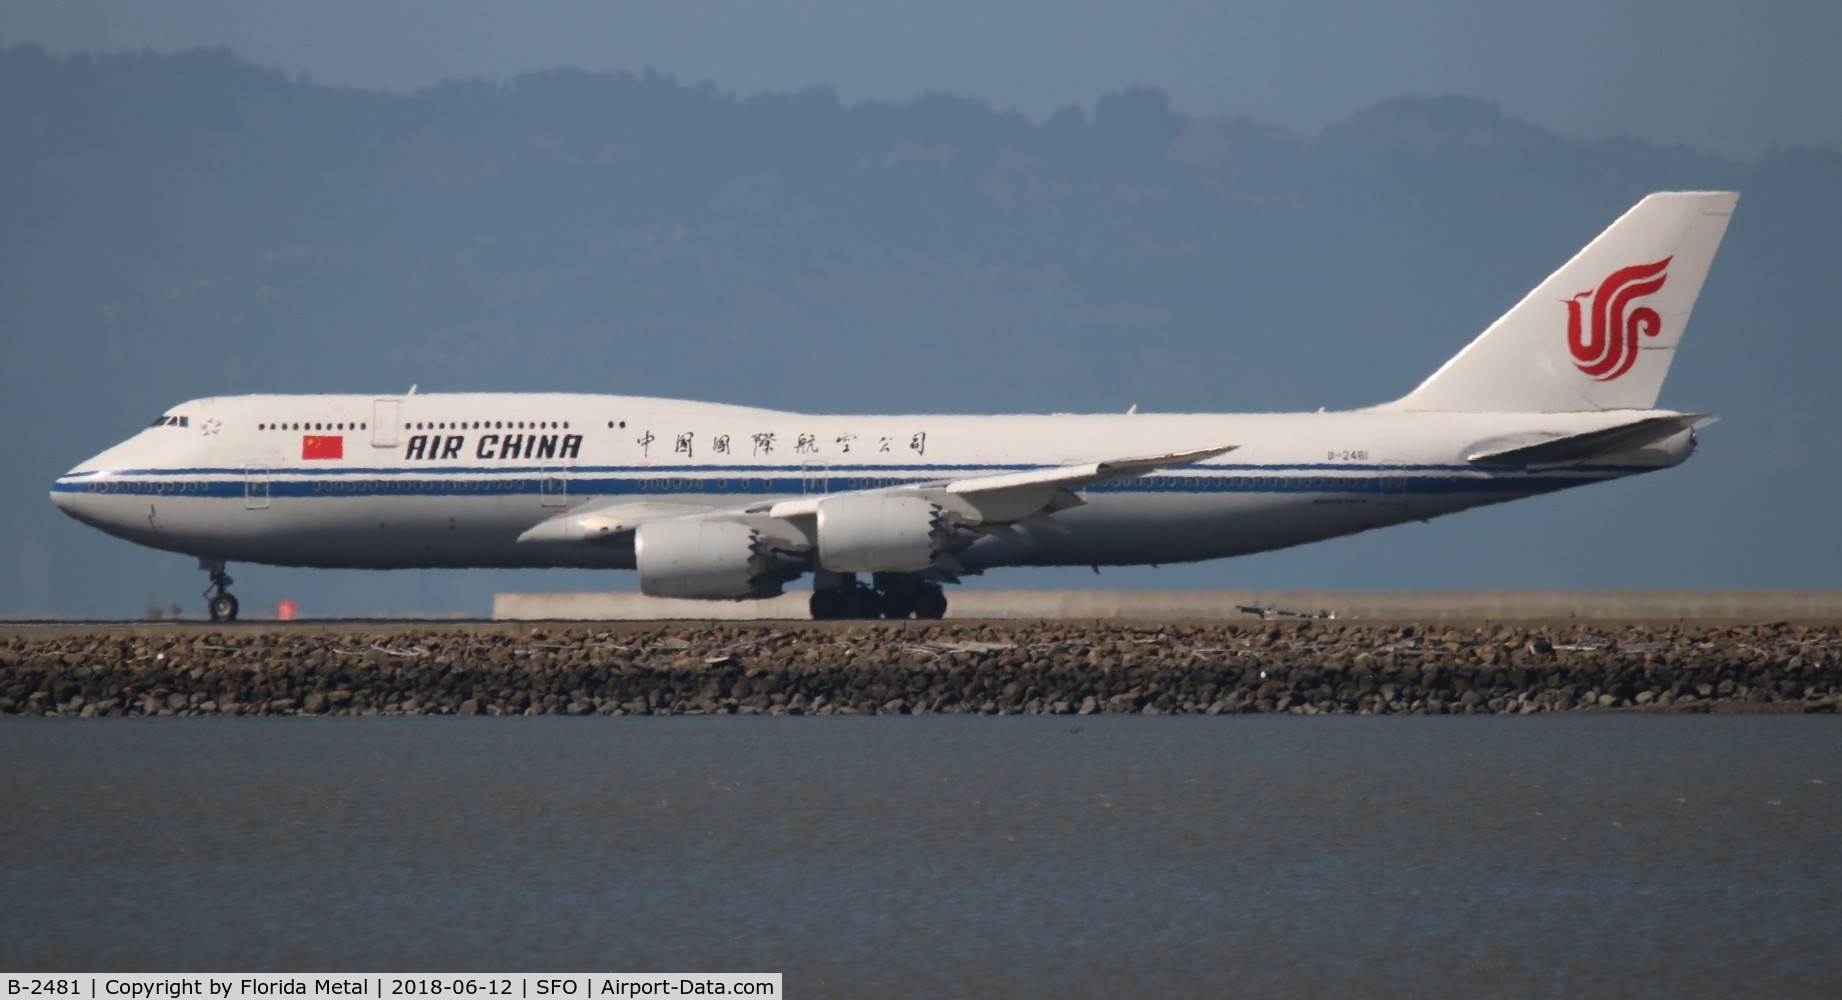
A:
x: 747, y: 481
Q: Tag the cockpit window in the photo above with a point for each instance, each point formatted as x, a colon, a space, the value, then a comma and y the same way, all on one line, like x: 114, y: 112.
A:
x: 168, y: 420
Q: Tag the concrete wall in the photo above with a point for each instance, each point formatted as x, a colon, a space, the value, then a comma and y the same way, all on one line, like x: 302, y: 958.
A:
x: 1430, y: 605
x: 637, y: 607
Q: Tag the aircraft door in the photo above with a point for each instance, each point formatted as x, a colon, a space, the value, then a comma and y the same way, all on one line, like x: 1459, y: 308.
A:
x: 1393, y: 484
x: 814, y: 478
x: 255, y: 487
x: 554, y: 489
x: 384, y: 422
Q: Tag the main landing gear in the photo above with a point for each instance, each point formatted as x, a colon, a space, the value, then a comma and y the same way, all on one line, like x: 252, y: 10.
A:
x: 218, y: 599
x: 895, y: 596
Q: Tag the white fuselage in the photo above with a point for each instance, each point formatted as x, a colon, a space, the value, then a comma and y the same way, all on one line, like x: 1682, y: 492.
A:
x: 455, y: 480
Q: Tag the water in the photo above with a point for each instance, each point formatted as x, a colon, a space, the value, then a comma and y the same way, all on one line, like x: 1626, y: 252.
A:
x: 1555, y: 856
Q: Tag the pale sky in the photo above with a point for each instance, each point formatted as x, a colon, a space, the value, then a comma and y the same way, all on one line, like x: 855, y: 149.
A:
x: 1723, y: 77
x: 1726, y: 78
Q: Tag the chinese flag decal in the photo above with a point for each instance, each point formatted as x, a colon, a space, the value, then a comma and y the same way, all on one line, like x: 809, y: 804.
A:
x: 328, y: 446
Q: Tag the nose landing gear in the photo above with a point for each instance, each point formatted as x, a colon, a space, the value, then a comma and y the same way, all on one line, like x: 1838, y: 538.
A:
x: 218, y: 599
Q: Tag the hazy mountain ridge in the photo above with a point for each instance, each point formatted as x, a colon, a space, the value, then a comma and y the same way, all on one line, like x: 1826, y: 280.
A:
x: 190, y: 225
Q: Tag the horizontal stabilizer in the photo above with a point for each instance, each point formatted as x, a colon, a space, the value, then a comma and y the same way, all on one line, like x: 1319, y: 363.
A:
x: 1592, y: 444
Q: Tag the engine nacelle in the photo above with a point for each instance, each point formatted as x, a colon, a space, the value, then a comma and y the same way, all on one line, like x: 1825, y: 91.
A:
x: 878, y: 533
x: 711, y: 560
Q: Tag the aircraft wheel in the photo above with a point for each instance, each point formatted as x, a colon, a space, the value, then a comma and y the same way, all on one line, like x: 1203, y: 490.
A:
x: 862, y: 602
x: 223, y: 608
x: 827, y: 604
x: 931, y: 603
x: 898, y: 604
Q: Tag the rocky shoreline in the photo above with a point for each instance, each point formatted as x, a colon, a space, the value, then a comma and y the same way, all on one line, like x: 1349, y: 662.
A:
x: 1308, y: 668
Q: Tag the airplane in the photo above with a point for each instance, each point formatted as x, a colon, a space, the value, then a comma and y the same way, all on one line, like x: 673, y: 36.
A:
x: 725, y: 502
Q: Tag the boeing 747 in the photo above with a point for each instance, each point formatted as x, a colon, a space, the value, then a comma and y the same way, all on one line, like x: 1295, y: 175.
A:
x: 730, y: 502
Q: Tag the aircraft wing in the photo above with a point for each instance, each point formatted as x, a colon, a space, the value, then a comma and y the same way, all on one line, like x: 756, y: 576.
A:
x: 996, y: 499
x: 1069, y: 476
x: 1012, y: 496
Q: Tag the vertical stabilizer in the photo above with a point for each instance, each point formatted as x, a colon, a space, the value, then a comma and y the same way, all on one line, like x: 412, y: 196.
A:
x: 1600, y: 333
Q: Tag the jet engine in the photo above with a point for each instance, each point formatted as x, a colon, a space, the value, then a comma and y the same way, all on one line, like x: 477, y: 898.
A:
x: 714, y: 560
x: 879, y: 533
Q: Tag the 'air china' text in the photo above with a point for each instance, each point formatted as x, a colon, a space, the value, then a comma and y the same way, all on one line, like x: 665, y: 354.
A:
x: 436, y: 447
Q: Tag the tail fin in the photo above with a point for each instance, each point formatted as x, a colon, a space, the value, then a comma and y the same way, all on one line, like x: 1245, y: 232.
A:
x: 1600, y: 333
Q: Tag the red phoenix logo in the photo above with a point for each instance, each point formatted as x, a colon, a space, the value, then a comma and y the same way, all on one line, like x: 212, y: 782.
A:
x: 1610, y: 348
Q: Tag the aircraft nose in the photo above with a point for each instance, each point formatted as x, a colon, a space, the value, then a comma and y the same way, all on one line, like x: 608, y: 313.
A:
x: 67, y: 495
x: 73, y: 495
x: 88, y: 495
